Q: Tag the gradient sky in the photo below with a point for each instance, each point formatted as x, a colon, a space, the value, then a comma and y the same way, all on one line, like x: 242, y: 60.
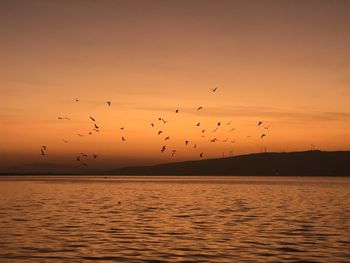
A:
x: 286, y: 63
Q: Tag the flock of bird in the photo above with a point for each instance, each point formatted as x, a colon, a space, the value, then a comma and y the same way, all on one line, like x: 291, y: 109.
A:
x: 82, y: 157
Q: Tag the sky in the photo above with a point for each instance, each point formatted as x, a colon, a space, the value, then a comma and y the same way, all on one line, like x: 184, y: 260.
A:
x: 285, y: 63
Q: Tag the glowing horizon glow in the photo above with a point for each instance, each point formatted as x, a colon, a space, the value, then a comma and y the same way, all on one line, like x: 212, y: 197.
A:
x: 284, y: 64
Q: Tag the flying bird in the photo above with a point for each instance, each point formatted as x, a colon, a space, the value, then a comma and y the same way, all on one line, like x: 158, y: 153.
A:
x: 65, y: 141
x: 123, y: 139
x: 97, y: 127
x: 216, y: 129
x: 195, y: 146
x: 42, y: 152
x: 199, y: 108
x: 228, y: 123
x: 122, y: 128
x: 164, y: 121
x: 262, y: 136
x: 177, y: 111
x: 95, y: 156
x: 203, y: 131
x: 214, y: 89
x: 163, y: 149
x: 96, y: 130
x: 213, y: 140
x: 78, y: 158
x: 90, y: 133
x: 167, y: 138
x: 201, y: 155
x: 77, y: 100
x: 43, y: 147
x: 109, y: 103
x: 186, y: 142
x: 92, y: 118
x: 173, y: 153
x: 219, y: 123
x: 260, y: 122
x: 159, y: 132
x: 152, y: 124
x: 198, y: 124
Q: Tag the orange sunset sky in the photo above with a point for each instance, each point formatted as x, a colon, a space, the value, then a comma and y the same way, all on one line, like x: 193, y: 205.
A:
x: 285, y: 63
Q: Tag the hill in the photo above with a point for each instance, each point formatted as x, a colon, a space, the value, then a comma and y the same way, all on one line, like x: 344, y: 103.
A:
x: 309, y: 163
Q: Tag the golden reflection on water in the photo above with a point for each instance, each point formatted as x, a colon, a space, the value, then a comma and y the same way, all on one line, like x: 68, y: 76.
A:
x: 199, y: 219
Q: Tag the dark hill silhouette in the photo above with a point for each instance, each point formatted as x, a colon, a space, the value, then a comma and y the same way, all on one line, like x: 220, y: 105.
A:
x: 310, y: 163
x: 44, y: 168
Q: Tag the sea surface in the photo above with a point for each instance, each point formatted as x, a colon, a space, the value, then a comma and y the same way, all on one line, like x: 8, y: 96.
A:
x: 174, y: 219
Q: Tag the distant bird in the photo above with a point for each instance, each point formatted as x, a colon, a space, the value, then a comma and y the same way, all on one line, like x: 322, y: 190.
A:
x: 167, y: 138
x: 96, y: 130
x: 77, y: 100
x: 97, y: 127
x: 177, y: 111
x: 164, y: 121
x: 64, y: 118
x: 186, y: 142
x: 201, y: 155
x: 95, y: 156
x: 262, y: 136
x: 122, y: 128
x: 43, y: 147
x: 198, y: 124
x: 173, y: 153
x: 109, y: 103
x: 78, y: 158
x: 260, y: 122
x: 152, y: 124
x: 92, y: 118
x: 214, y: 89
x: 203, y: 131
x: 163, y: 149
x: 199, y: 108
x: 215, y: 129
x: 123, y: 139
x: 228, y: 123
x: 159, y: 119
x: 84, y: 155
x: 219, y: 123
x: 195, y: 146
x: 65, y: 141
x: 159, y: 132
x: 213, y: 140
x: 90, y: 133
x: 42, y: 152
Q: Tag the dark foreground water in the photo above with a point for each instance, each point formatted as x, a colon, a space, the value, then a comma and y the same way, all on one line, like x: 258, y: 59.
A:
x: 174, y: 219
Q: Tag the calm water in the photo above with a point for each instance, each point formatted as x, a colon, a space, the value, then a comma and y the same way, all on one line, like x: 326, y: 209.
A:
x: 181, y: 219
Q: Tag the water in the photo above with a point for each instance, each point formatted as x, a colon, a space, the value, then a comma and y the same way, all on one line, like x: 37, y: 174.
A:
x: 174, y: 219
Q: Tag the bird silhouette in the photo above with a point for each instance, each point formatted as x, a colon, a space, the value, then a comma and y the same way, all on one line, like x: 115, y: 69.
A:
x: 65, y: 141
x: 199, y: 108
x: 262, y: 136
x: 159, y: 119
x: 260, y: 122
x: 90, y: 133
x: 214, y: 89
x: 203, y: 131
x: 216, y: 129
x: 152, y: 124
x: 96, y: 130
x: 43, y: 147
x: 159, y: 132
x: 186, y: 142
x: 213, y: 140
x: 123, y: 139
x: 122, y: 128
x: 228, y: 123
x: 173, y: 153
x: 95, y: 156
x: 164, y: 121
x: 78, y: 158
x: 42, y: 152
x: 109, y: 103
x: 198, y: 124
x: 163, y: 149
x: 177, y: 111
x: 77, y: 100
x: 92, y: 118
x: 201, y: 155
x: 195, y: 146
x: 167, y: 138
x: 219, y: 123
x: 97, y: 127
